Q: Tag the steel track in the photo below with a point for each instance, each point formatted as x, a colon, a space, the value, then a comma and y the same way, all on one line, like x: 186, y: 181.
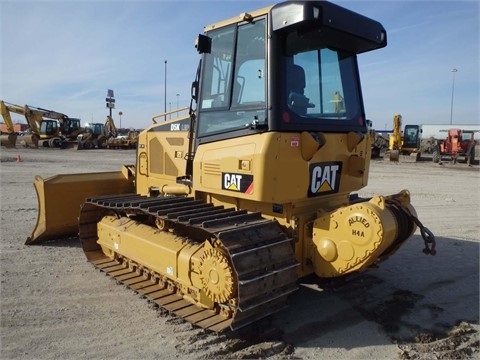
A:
x: 259, y: 251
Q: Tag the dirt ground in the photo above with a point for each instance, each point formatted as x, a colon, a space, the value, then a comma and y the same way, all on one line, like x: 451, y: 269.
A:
x: 55, y: 305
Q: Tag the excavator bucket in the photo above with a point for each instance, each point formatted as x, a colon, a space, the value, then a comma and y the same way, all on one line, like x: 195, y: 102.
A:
x: 8, y: 140
x: 30, y: 141
x: 60, y: 198
x: 396, y: 155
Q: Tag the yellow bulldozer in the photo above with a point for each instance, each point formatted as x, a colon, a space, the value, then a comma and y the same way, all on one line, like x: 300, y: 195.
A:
x: 228, y: 206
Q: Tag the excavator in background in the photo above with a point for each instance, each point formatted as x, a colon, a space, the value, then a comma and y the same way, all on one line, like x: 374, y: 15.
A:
x: 457, y: 143
x: 97, y: 135
x: 228, y: 206
x: 406, y: 144
x: 130, y: 139
x: 47, y: 128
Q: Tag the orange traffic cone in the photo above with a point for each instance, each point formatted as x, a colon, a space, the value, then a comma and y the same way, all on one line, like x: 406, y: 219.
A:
x: 19, y: 159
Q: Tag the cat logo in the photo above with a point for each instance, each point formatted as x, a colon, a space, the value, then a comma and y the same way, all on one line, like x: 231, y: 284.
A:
x: 324, y: 178
x: 237, y: 182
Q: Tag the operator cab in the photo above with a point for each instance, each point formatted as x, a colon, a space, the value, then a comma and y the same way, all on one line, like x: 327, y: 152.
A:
x: 70, y: 125
x: 94, y: 128
x: 412, y: 136
x: 49, y: 127
x: 291, y: 68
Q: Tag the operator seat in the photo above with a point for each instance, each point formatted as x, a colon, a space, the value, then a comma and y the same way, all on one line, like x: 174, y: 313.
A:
x: 296, y: 79
x: 297, y: 101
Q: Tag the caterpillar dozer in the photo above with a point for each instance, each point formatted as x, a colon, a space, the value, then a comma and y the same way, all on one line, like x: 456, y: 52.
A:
x: 228, y: 206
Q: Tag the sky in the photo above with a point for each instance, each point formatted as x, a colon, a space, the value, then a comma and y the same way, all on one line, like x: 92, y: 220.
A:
x: 65, y: 55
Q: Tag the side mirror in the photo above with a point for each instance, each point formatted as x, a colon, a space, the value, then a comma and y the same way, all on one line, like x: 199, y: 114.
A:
x: 203, y: 44
x: 194, y: 90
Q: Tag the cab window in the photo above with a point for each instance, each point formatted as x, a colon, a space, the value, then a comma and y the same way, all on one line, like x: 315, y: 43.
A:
x: 233, y: 88
x: 314, y: 85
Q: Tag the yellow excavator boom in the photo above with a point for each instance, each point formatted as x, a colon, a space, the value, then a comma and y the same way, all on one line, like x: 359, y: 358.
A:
x: 10, y: 139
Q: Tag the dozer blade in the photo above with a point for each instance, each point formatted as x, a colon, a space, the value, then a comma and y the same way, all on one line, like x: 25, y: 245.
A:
x: 60, y: 198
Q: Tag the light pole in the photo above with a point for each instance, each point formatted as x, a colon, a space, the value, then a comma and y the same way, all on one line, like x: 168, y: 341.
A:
x: 120, y: 115
x: 165, y: 90
x: 178, y: 95
x: 453, y: 90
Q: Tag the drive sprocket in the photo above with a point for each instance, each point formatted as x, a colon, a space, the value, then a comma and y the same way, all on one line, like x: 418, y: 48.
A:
x: 217, y: 276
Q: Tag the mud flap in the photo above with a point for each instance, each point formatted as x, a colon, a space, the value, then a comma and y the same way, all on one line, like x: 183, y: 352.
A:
x: 60, y: 197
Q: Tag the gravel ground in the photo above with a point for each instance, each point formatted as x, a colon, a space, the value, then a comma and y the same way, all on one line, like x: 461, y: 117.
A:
x: 55, y: 305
